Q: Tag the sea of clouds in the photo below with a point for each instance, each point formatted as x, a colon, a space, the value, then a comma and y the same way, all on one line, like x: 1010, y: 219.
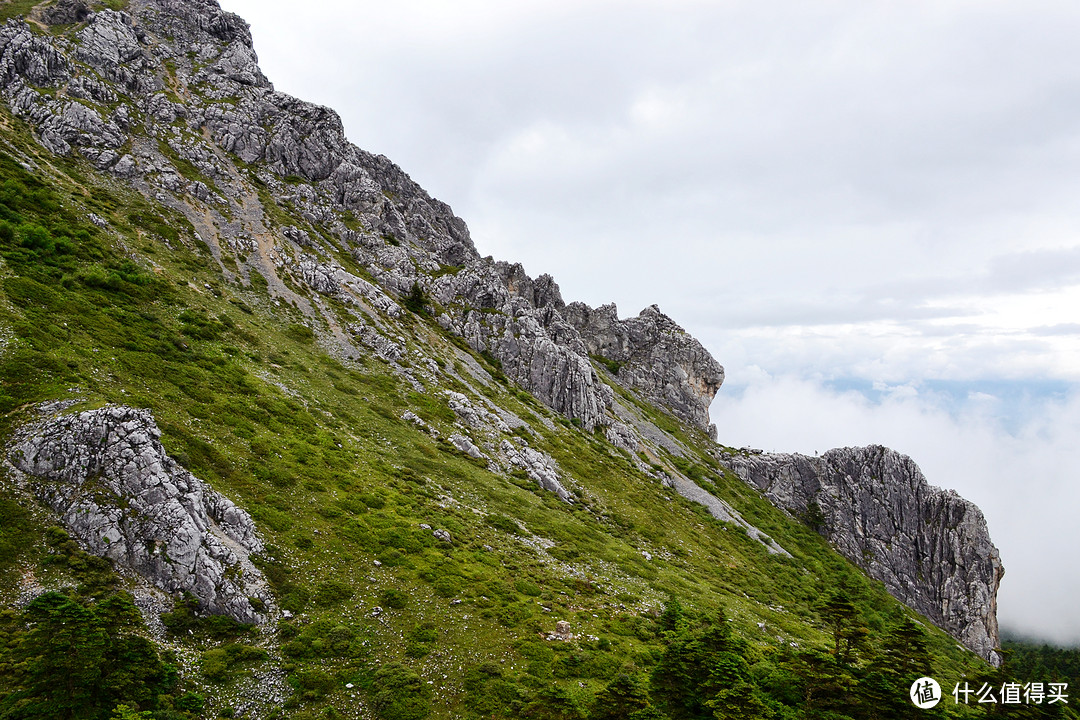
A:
x: 1014, y: 453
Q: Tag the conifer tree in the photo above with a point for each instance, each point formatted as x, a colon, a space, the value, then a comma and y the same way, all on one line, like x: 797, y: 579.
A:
x: 622, y: 698
x: 846, y: 625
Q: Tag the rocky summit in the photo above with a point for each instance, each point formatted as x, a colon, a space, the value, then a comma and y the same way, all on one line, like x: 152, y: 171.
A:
x: 274, y: 425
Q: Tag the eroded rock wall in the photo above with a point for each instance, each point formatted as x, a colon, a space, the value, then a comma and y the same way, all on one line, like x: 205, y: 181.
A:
x: 930, y: 547
x: 655, y: 355
x: 107, y: 476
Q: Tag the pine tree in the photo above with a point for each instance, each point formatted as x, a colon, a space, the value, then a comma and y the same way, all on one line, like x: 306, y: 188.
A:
x: 623, y: 696
x: 704, y: 674
x: 846, y: 625
x: 905, y: 652
x: 75, y: 661
x: 553, y: 703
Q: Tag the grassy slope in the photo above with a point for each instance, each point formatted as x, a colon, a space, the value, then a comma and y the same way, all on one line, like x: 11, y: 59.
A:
x: 314, y: 447
x: 19, y: 8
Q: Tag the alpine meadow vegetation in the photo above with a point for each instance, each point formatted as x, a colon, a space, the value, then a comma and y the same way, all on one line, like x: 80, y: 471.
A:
x: 411, y: 577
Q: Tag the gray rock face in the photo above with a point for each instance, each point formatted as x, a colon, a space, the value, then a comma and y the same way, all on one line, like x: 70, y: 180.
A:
x: 466, y: 446
x: 655, y: 356
x: 929, y: 546
x: 66, y: 12
x: 188, y: 72
x: 25, y: 57
x: 538, y: 466
x: 105, y: 473
x: 500, y: 310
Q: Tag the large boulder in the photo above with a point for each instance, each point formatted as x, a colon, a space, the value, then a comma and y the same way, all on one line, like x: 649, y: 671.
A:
x: 107, y: 476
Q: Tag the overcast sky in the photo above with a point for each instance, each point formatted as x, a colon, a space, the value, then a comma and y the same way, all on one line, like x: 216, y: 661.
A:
x: 868, y: 211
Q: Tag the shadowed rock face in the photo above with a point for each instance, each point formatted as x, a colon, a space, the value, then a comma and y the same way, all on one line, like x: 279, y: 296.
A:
x: 65, y: 12
x: 106, y: 475
x: 929, y: 546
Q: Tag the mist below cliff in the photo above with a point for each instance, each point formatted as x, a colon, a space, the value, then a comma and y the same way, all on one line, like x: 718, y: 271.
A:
x: 1013, y: 451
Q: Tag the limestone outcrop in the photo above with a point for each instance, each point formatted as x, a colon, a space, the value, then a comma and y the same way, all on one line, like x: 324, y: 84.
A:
x: 653, y: 354
x: 498, y: 309
x: 107, y: 476
x: 537, y: 465
x: 930, y: 547
x: 170, y: 93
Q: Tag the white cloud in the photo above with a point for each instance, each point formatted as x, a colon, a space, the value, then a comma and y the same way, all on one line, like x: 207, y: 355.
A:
x: 788, y: 156
x: 878, y: 191
x: 1024, y: 479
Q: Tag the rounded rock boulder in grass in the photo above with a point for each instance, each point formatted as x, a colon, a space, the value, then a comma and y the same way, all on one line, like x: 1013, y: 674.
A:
x: 107, y: 476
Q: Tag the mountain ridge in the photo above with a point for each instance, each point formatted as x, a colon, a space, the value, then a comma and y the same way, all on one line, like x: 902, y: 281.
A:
x: 263, y: 256
x: 876, y: 507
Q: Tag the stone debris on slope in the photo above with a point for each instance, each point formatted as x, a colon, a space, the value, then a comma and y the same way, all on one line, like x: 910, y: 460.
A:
x: 723, y: 512
x: 466, y: 446
x: 476, y: 417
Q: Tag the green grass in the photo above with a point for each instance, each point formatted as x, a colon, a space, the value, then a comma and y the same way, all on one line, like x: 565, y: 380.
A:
x: 315, y: 449
x: 16, y: 8
x: 19, y: 8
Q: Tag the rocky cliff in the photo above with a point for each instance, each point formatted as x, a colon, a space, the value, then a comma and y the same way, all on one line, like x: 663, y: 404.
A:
x: 170, y: 95
x: 168, y: 98
x: 653, y: 354
x: 929, y: 546
x: 106, y: 475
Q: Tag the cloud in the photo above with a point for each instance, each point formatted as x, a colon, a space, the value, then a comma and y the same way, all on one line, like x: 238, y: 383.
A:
x: 1037, y: 270
x: 1059, y: 329
x: 787, y: 164
x: 1023, y: 479
x: 877, y: 191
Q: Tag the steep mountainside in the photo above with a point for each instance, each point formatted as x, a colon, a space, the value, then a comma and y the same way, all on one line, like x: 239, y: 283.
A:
x: 339, y: 465
x: 928, y: 546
